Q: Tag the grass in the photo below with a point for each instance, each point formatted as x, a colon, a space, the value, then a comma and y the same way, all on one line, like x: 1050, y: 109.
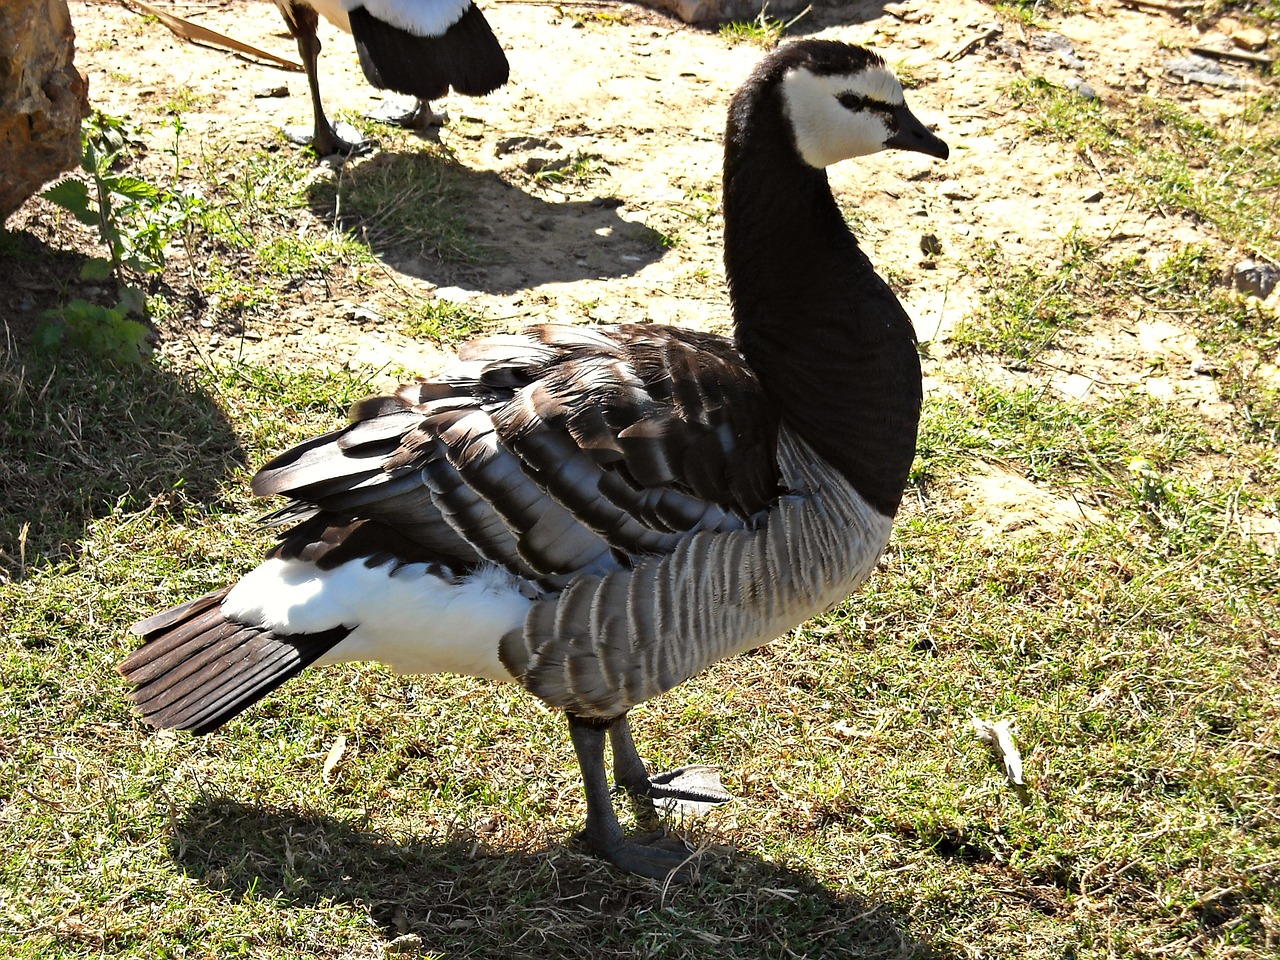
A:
x: 1225, y: 176
x: 1138, y: 665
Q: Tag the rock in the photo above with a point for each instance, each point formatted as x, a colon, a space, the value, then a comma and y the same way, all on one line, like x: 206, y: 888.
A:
x: 1250, y: 38
x: 43, y: 98
x: 1203, y: 70
x: 270, y: 89
x: 1080, y: 86
x: 1255, y: 277
x: 930, y: 245
x: 1052, y: 43
x: 723, y: 11
x: 953, y: 191
x: 1093, y: 196
x: 523, y: 144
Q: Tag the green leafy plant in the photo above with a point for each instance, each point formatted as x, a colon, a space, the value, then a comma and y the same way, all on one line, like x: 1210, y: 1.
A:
x: 135, y: 219
x: 91, y: 328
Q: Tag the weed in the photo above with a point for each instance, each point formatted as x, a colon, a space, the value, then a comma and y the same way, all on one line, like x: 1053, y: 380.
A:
x: 1024, y: 307
x: 414, y: 200
x: 135, y: 220
x: 442, y: 321
x: 1173, y: 160
x: 579, y: 169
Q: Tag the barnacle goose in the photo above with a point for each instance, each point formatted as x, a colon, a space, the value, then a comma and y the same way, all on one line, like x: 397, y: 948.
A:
x: 600, y: 513
x: 415, y: 47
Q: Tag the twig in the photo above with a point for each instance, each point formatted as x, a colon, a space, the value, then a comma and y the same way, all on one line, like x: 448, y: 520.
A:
x: 1234, y: 56
x: 1094, y: 160
x: 972, y: 44
x: 195, y: 33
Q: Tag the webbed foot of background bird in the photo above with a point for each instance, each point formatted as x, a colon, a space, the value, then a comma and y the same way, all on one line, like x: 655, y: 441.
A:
x: 417, y: 115
x: 696, y: 785
x: 341, y: 140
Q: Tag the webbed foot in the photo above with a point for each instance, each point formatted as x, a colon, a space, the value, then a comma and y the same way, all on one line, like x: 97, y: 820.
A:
x: 419, y: 116
x: 341, y: 139
x: 657, y: 855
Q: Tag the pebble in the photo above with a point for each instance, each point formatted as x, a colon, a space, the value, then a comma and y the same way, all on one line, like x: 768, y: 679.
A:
x: 930, y: 245
x: 525, y: 143
x: 1202, y: 70
x: 269, y: 88
x: 953, y: 191
x: 1255, y: 277
x: 1080, y: 87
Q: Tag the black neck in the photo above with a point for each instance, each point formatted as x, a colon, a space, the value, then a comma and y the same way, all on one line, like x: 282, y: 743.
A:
x: 832, y: 346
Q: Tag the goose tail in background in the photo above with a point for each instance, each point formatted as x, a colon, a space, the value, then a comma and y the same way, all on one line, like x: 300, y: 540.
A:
x: 465, y: 56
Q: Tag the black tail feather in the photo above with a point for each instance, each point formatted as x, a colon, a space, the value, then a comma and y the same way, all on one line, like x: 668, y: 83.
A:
x: 466, y: 57
x: 198, y: 669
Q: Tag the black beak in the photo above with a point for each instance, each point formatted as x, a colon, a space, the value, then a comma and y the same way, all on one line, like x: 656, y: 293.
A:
x: 912, y: 135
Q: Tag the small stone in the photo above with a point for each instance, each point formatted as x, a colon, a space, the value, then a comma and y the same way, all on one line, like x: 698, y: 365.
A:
x: 1205, y: 71
x: 523, y: 144
x: 953, y: 191
x: 1093, y: 196
x: 1200, y: 367
x: 930, y: 245
x: 1053, y: 43
x: 1006, y: 49
x: 1250, y: 38
x: 268, y: 89
x: 1080, y: 87
x: 407, y: 943
x: 1256, y: 278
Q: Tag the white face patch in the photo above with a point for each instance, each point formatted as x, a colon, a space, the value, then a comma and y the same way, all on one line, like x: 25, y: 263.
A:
x: 826, y: 130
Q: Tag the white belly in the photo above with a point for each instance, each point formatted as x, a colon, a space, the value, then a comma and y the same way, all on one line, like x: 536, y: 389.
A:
x: 414, y: 620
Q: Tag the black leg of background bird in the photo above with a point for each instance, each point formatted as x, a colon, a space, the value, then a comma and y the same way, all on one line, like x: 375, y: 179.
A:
x: 603, y: 833
x: 325, y: 140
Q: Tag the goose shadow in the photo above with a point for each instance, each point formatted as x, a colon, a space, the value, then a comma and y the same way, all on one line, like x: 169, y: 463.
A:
x: 435, y: 219
x: 82, y: 438
x: 458, y: 898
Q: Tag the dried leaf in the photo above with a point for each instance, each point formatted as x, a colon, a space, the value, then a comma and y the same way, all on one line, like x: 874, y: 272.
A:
x: 999, y: 735
x: 335, y: 754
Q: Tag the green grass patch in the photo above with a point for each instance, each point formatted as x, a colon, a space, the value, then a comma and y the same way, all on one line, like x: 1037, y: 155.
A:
x: 412, y: 201
x: 1139, y: 666
x: 1226, y: 176
x: 443, y: 321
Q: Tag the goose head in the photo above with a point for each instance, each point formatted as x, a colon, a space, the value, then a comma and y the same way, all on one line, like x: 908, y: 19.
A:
x: 841, y: 101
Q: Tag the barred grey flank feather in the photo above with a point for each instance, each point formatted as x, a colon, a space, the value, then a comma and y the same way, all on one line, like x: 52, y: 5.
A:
x: 608, y: 643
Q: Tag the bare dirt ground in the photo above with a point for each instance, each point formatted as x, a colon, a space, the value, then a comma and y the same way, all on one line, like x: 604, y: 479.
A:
x: 645, y: 95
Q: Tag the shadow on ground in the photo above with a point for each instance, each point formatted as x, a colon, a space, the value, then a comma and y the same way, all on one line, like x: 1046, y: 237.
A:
x: 462, y: 901
x: 441, y: 222
x: 79, y: 436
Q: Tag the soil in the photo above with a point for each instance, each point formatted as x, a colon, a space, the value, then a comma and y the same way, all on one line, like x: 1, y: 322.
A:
x: 646, y: 95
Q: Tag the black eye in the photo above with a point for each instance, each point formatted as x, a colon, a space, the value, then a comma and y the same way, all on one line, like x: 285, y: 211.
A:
x: 854, y: 101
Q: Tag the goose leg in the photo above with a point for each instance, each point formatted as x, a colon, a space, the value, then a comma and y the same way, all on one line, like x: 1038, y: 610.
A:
x: 603, y: 833
x: 325, y: 141
x: 695, y: 783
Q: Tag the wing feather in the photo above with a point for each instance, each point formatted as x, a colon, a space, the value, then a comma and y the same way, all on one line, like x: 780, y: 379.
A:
x: 558, y: 451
